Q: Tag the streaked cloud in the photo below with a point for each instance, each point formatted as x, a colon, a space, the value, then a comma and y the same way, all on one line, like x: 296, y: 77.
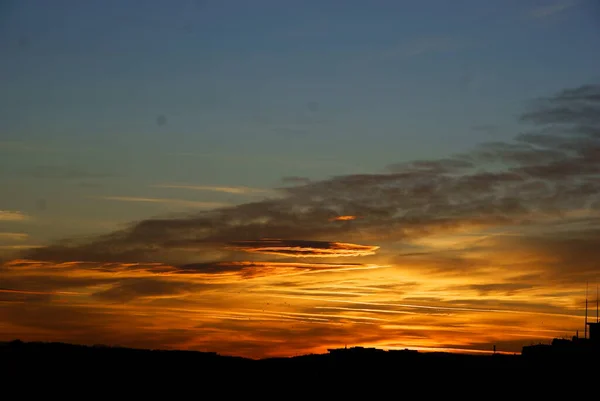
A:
x: 13, y: 291
x: 254, y: 269
x: 312, y: 313
x: 177, y: 202
x: 13, y: 236
x: 302, y: 248
x: 229, y: 190
x: 13, y: 215
x: 24, y: 246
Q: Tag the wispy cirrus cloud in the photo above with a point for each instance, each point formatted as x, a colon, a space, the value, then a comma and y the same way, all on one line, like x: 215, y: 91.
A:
x: 13, y: 215
x: 228, y: 190
x: 177, y: 202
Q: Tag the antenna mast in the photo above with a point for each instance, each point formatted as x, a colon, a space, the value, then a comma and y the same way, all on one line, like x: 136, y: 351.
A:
x: 586, y: 310
x: 597, y: 320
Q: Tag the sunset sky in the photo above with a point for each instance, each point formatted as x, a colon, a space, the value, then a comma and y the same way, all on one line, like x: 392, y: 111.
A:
x: 278, y: 177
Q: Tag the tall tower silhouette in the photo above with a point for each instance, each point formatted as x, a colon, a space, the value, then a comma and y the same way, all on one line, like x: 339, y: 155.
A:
x: 586, y: 311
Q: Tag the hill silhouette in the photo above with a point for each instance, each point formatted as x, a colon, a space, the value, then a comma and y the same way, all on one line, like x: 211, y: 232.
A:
x: 42, y: 357
x: 55, y: 368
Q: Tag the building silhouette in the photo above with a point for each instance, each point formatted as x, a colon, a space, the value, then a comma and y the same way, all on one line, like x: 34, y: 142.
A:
x: 588, y: 346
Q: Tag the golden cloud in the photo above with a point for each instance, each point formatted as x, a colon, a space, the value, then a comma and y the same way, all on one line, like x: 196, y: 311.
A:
x: 13, y: 215
x: 303, y: 248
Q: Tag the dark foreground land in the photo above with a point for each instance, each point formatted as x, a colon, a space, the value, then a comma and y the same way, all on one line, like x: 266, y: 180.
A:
x: 20, y: 359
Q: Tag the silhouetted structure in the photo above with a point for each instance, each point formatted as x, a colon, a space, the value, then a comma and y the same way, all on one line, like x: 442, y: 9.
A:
x: 587, y: 347
x: 594, y: 333
x: 354, y: 351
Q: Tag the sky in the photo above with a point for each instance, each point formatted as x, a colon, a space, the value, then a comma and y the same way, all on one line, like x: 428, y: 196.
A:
x: 273, y: 178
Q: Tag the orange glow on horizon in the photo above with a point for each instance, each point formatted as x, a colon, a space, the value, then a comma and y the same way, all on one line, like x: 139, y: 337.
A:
x: 313, y: 306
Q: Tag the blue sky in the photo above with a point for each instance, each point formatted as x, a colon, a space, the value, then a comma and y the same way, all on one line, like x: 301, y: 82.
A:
x: 103, y: 102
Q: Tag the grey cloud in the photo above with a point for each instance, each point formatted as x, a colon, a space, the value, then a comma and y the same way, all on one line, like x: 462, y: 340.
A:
x: 570, y: 106
x: 543, y: 172
x: 252, y: 269
x: 134, y: 288
x: 52, y: 282
x: 514, y: 154
x: 441, y: 166
x: 574, y: 255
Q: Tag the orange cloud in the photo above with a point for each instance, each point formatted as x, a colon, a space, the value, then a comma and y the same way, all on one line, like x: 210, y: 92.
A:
x: 302, y: 248
x: 244, y: 307
x: 13, y: 291
x: 343, y: 218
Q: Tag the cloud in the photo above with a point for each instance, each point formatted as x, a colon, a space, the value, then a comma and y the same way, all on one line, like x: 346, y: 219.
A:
x: 13, y: 215
x: 549, y: 10
x: 46, y: 276
x: 30, y: 292
x: 343, y: 218
x: 302, y: 248
x: 229, y: 190
x: 490, y: 246
x: 254, y: 269
x: 543, y: 174
x: 500, y: 288
x: 14, y: 247
x: 145, y: 288
x: 432, y: 166
x: 13, y: 236
x: 179, y: 202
